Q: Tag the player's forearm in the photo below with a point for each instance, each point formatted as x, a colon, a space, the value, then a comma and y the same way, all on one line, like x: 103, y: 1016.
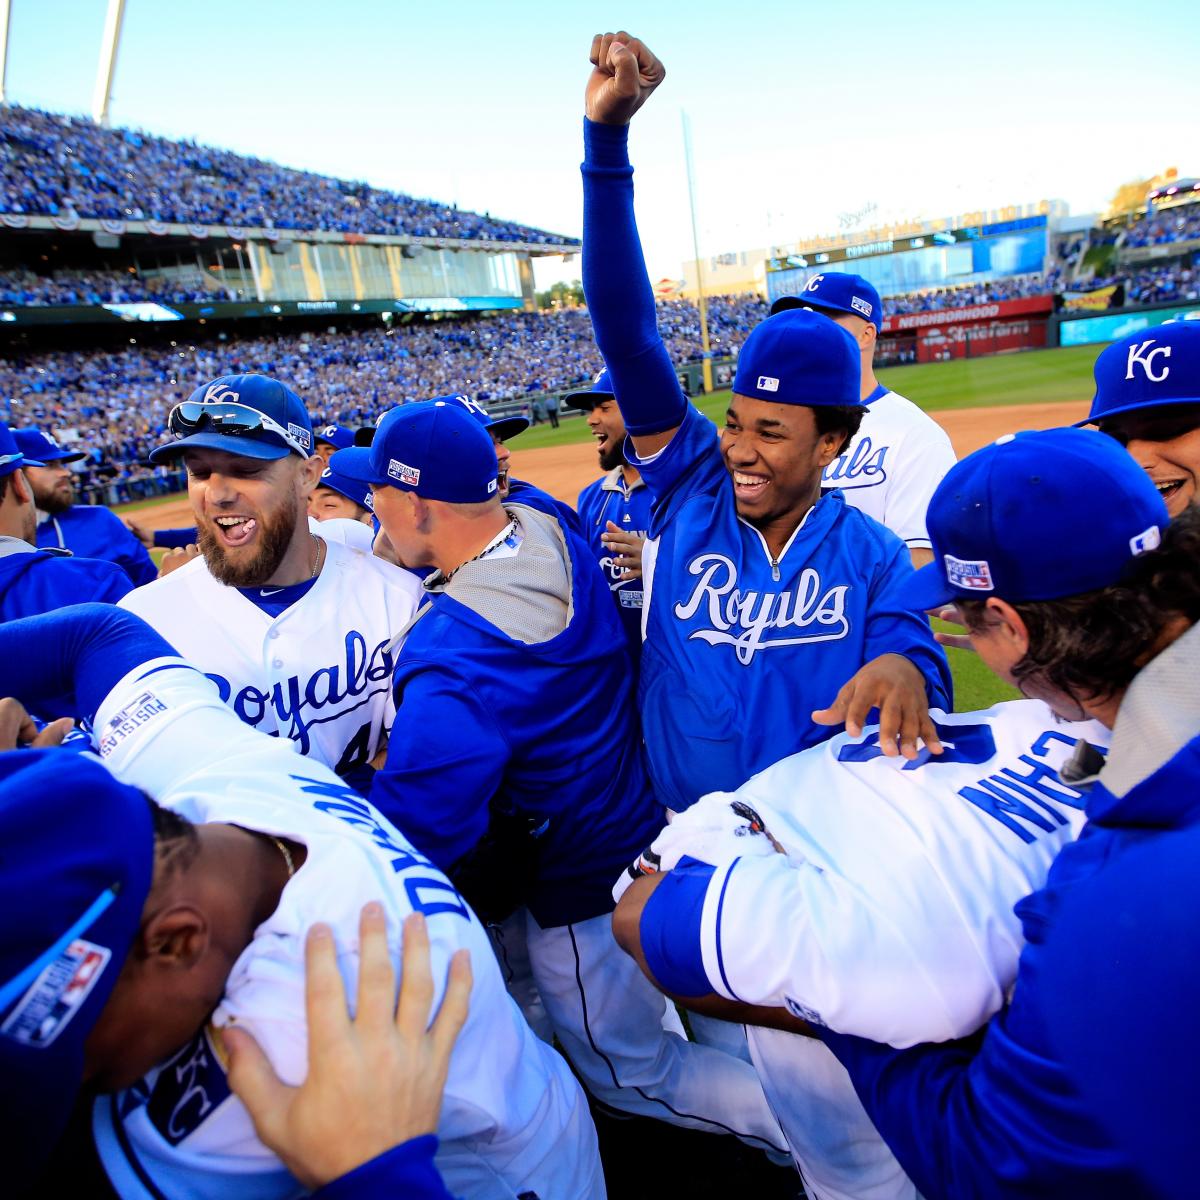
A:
x: 617, y: 288
x: 66, y: 662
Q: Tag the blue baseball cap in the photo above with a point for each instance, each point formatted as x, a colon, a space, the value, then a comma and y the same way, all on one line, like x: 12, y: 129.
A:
x: 12, y: 457
x: 600, y: 391
x: 40, y: 448
x: 352, y: 489
x: 335, y: 436
x: 800, y: 357
x: 435, y: 448
x: 502, y: 428
x: 1008, y: 520
x: 76, y: 864
x: 1152, y: 368
x: 837, y: 291
x: 251, y: 416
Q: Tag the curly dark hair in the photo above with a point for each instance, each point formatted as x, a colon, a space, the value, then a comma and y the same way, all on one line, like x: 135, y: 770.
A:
x: 830, y: 418
x: 1091, y: 646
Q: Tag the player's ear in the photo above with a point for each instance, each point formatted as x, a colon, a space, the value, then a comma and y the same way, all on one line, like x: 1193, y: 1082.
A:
x: 20, y: 487
x: 310, y: 473
x: 174, y: 937
x: 1006, y: 624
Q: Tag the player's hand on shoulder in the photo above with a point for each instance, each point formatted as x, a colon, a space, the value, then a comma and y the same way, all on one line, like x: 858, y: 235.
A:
x: 893, y: 685
x: 626, y: 548
x: 956, y: 641
x: 18, y: 728
x: 624, y: 73
x: 373, y: 1081
x: 179, y: 557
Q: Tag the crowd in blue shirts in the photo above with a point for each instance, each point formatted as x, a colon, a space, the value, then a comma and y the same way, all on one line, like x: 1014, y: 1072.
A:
x: 57, y: 165
x: 1166, y: 225
x: 90, y: 287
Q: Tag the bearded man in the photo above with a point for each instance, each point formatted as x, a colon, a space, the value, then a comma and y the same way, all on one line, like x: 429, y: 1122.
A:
x: 292, y: 625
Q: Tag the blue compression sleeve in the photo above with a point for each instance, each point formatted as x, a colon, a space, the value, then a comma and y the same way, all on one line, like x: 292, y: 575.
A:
x: 175, y: 539
x: 406, y: 1170
x: 64, y: 663
x: 619, y: 297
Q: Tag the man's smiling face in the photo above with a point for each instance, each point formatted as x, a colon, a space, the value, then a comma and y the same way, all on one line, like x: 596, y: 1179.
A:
x: 775, y: 456
x: 1165, y: 443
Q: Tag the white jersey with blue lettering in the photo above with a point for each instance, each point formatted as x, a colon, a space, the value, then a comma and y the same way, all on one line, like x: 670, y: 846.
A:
x: 319, y: 673
x: 893, y: 465
x: 514, y: 1120
x: 889, y: 913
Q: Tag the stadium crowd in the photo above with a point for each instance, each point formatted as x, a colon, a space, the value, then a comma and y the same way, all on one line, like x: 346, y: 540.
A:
x: 58, y: 165
x: 1160, y: 228
x: 90, y: 287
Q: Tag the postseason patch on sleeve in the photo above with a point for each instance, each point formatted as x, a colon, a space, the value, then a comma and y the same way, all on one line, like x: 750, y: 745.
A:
x: 141, y: 711
x: 57, y: 994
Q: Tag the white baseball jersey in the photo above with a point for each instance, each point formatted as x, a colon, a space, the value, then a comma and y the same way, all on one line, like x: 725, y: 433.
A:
x: 890, y: 914
x: 319, y: 673
x: 892, y: 466
x: 514, y: 1120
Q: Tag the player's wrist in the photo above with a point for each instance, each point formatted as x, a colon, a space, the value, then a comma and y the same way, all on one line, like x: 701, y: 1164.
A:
x: 605, y: 145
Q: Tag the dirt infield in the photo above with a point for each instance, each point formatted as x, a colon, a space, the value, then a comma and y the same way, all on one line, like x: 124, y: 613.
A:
x: 564, y: 470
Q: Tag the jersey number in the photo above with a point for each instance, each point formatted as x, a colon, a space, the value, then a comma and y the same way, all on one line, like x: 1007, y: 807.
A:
x: 960, y: 744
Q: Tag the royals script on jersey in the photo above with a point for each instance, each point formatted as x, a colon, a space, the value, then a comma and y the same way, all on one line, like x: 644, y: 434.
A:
x: 893, y: 465
x: 741, y: 646
x: 318, y: 674
x: 514, y: 1120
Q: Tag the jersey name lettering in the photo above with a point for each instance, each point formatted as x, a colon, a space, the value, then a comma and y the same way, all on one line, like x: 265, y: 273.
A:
x: 299, y: 704
x: 861, y: 466
x: 743, y: 619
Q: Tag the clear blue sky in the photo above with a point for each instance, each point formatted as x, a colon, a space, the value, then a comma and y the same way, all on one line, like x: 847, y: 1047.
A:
x: 800, y: 110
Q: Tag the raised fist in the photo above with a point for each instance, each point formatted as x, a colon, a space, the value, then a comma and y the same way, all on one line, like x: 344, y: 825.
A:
x: 624, y: 73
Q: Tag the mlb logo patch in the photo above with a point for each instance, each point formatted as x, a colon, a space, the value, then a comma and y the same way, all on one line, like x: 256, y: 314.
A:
x: 972, y: 576
x: 369, y: 501
x: 1151, y: 539
x: 862, y: 306
x: 300, y: 434
x: 403, y: 473
x: 492, y: 485
x: 57, y: 994
x: 767, y: 383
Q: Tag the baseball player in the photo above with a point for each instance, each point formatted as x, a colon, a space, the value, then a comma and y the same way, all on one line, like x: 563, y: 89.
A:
x: 615, y: 509
x: 337, y: 498
x: 1091, y: 607
x: 87, y: 530
x: 864, y: 893
x: 890, y: 469
x: 515, y: 762
x: 331, y: 438
x: 254, y: 845
x: 304, y: 619
x: 35, y: 581
x: 762, y: 597
x: 1148, y: 398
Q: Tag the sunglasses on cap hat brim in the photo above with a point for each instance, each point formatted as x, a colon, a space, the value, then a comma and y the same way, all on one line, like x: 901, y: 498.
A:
x: 232, y: 420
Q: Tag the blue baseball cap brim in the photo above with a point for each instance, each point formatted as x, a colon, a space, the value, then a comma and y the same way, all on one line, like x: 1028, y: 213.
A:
x: 243, y: 447
x: 354, y: 463
x: 1095, y: 418
x: 355, y: 490
x: 587, y: 398
x: 507, y: 427
x: 40, y: 451
x: 928, y: 588
x: 76, y: 865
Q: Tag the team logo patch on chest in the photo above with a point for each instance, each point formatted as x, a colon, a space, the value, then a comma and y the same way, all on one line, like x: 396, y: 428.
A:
x: 187, y: 1090
x: 751, y: 621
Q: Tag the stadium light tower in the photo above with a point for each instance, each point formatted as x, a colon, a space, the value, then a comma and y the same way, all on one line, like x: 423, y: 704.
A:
x: 701, y: 303
x: 108, y: 60
x: 5, y: 14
